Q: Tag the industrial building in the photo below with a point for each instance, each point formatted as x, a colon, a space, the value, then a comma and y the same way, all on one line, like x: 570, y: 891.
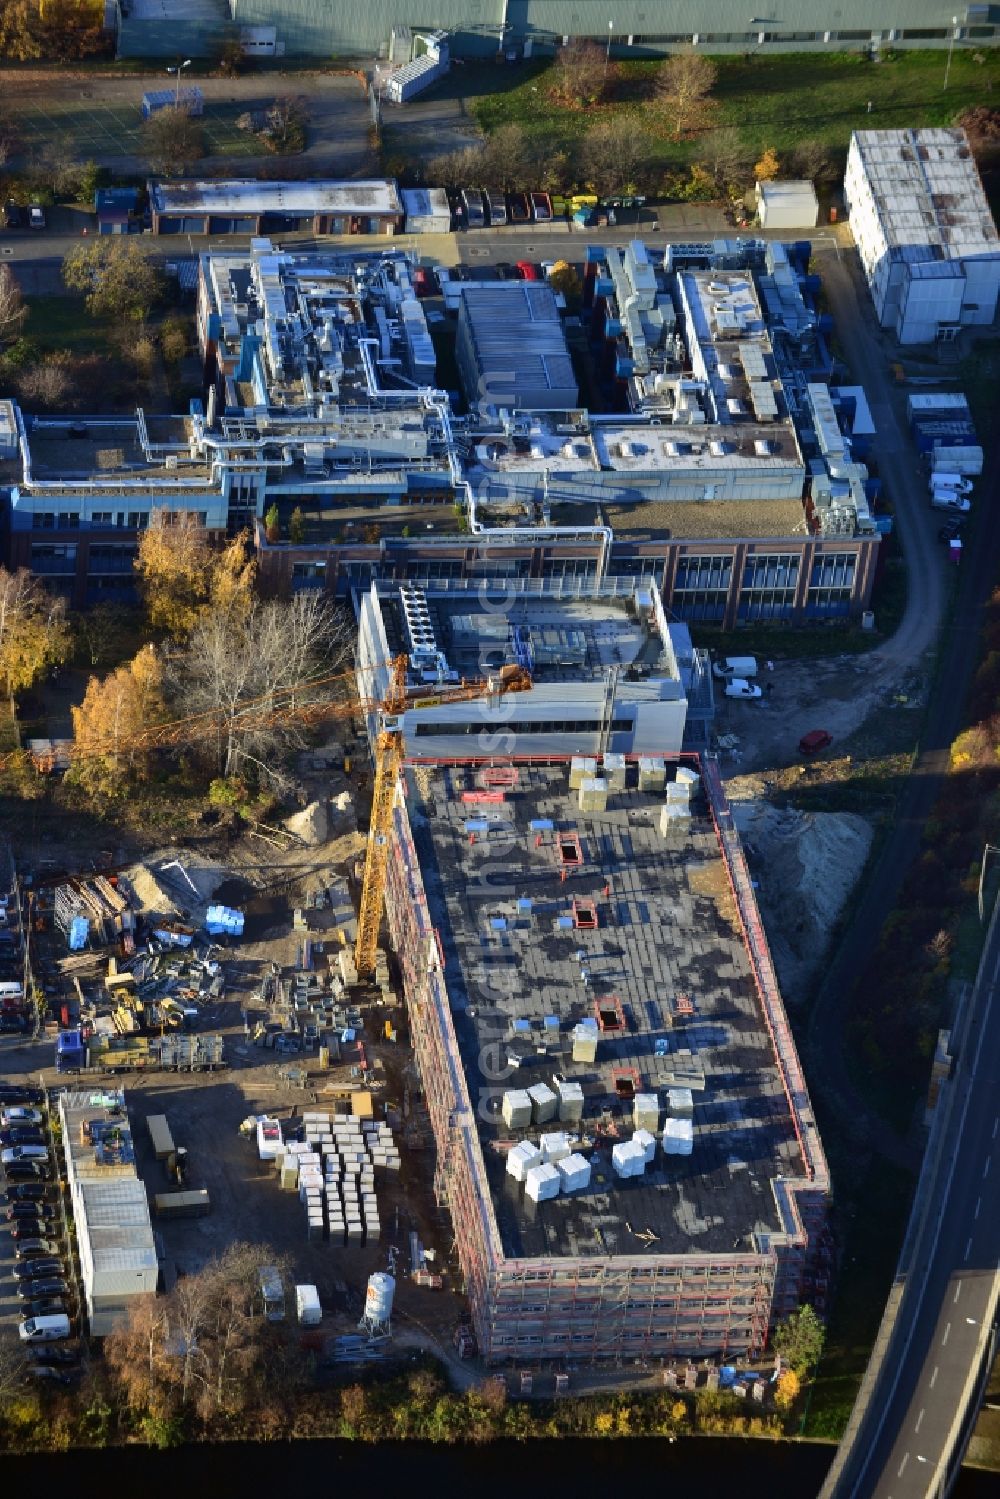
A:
x: 110, y: 1211
x: 523, y: 28
x: 590, y: 990
x: 608, y: 674
x: 787, y: 205
x: 924, y: 231
x: 510, y: 348
x: 728, y: 474
x: 255, y: 207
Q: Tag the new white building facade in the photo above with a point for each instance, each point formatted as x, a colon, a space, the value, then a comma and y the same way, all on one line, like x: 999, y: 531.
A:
x: 924, y: 231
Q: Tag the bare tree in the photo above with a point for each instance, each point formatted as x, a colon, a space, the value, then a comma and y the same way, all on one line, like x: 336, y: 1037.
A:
x: 579, y: 72
x: 172, y: 142
x: 254, y: 674
x: 725, y: 157
x: 12, y: 309
x: 510, y: 159
x: 615, y: 155
x: 683, y: 89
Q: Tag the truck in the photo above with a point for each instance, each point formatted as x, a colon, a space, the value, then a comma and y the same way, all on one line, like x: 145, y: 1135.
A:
x: 78, y: 1051
x: 160, y: 1137
x: 272, y: 1293
x: 728, y: 667
x: 190, y: 1204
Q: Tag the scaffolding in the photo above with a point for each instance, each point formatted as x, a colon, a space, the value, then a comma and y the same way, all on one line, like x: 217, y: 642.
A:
x: 615, y: 1307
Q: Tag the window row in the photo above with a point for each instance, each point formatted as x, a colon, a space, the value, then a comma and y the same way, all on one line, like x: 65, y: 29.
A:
x: 527, y: 726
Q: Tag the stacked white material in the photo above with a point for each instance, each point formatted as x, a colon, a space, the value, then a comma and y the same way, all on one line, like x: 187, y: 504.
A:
x: 680, y: 1102
x: 646, y: 1143
x: 652, y: 773
x: 516, y: 1108
x: 307, y: 1306
x: 688, y: 777
x: 574, y: 1173
x: 628, y: 1158
x: 613, y: 770
x: 593, y: 794
x: 674, y: 819
x: 554, y: 1146
x: 570, y: 1101
x: 521, y: 1159
x: 581, y: 767
x: 542, y: 1183
x: 646, y: 1112
x: 543, y: 1103
x: 678, y: 1137
x: 584, y: 1038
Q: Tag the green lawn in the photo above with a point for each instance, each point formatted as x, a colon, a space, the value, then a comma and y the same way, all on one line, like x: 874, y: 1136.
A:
x: 100, y: 128
x: 773, y: 101
x: 64, y: 323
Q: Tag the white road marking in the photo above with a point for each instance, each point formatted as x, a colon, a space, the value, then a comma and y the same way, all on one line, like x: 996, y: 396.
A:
x: 919, y: 1420
x: 947, y: 1331
x: 934, y: 1376
x: 958, y: 1292
x: 968, y: 1250
x: 899, y: 1470
x: 979, y: 1203
x: 986, y: 1168
x: 996, y: 1125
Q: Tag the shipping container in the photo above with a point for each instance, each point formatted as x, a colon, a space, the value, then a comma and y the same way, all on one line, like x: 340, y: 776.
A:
x: 160, y: 1137
x: 182, y: 1204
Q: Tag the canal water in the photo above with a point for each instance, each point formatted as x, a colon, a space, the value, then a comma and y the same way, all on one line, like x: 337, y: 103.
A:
x: 581, y: 1469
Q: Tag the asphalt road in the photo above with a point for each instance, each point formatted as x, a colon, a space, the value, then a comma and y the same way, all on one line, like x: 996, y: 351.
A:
x: 912, y: 1432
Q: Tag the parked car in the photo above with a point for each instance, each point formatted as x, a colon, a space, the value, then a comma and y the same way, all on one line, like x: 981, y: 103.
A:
x: 16, y: 1155
x: 475, y: 207
x: 19, y: 1113
x: 67, y: 1357
x: 950, y: 532
x: 36, y: 216
x: 12, y: 1023
x: 33, y: 1249
x: 27, y: 1171
x: 38, y: 1269
x: 48, y: 1373
x: 13, y: 216
x: 20, y: 1093
x: 950, y: 500
x: 22, y: 1134
x: 23, y: 1230
x: 740, y: 687
x: 42, y: 1306
x: 497, y: 207
x: 528, y: 271
x: 26, y: 1192
x: 505, y: 270
x: 541, y: 207
x: 21, y: 1212
x: 519, y: 208
x: 814, y: 741
x: 47, y: 1288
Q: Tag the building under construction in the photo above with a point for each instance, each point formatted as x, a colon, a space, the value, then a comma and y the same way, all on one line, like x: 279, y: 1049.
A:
x: 625, y: 1142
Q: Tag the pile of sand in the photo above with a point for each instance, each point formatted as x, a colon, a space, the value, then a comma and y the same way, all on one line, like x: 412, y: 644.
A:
x: 805, y: 865
x: 187, y: 884
x: 312, y: 824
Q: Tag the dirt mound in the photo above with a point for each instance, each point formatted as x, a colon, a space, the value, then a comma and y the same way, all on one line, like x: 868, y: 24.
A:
x: 805, y: 865
x: 312, y: 824
x: 174, y: 881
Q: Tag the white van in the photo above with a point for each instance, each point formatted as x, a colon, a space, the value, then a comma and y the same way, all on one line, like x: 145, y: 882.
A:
x: 941, y: 480
x: 949, y: 499
x: 740, y: 687
x: 734, y: 666
x: 44, y: 1329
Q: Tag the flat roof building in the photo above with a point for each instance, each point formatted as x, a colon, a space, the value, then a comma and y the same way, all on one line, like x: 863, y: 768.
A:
x: 252, y: 206
x: 511, y: 350
x: 924, y: 231
x: 114, y: 1235
x: 608, y: 674
x: 787, y: 205
x: 580, y: 969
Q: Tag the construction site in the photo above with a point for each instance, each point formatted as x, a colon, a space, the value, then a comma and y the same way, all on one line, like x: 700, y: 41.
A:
x: 625, y: 1142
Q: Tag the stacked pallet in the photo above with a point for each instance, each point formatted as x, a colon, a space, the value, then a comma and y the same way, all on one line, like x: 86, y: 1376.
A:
x: 334, y: 1171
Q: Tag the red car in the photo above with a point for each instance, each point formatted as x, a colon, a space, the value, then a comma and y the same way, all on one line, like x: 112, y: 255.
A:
x: 527, y: 271
x: 424, y: 282
x: 814, y: 741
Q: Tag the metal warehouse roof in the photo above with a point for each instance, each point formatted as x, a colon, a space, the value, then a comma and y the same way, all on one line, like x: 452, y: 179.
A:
x: 246, y: 195
x: 517, y: 338
x: 927, y: 192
